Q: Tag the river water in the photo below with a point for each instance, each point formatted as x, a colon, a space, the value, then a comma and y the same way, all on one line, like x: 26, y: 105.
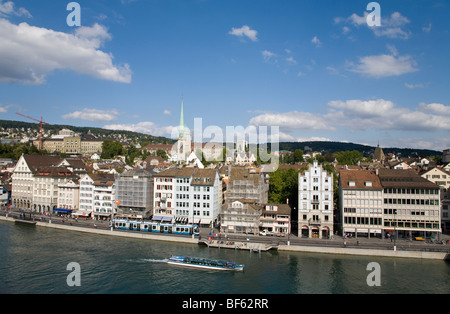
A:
x: 35, y: 259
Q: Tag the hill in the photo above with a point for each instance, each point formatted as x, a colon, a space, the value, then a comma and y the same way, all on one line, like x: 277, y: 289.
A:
x: 122, y: 135
x: 332, y: 147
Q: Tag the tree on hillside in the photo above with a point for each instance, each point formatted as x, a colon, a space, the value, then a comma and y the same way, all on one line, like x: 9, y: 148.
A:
x: 111, y: 149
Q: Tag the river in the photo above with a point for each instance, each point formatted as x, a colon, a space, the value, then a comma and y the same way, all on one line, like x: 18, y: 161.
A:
x: 35, y: 259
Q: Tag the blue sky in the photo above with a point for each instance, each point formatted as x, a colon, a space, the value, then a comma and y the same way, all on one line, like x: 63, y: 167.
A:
x: 313, y: 68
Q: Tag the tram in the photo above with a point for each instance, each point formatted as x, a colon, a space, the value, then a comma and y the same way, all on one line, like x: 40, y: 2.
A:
x: 153, y: 226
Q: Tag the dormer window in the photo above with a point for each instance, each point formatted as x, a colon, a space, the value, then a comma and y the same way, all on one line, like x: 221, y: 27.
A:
x: 351, y: 183
x: 368, y: 183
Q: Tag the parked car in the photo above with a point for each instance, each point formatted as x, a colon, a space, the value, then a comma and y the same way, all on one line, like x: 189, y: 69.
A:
x: 265, y: 233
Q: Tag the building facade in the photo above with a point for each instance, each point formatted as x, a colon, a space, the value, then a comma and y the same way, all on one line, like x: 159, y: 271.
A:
x: 134, y: 195
x: 361, y: 203
x: 411, y: 204
x: 276, y: 219
x: 187, y: 195
x: 247, y: 185
x: 97, y: 196
x: 240, y: 216
x: 315, y: 202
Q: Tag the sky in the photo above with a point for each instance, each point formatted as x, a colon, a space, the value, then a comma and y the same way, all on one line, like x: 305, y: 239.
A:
x: 315, y: 69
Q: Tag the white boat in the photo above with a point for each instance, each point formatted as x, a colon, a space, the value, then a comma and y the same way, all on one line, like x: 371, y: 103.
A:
x: 204, y: 263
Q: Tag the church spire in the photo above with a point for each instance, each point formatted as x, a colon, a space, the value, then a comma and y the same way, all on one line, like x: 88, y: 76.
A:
x: 181, y: 128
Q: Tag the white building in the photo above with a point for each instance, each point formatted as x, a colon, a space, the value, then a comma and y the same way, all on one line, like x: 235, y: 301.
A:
x: 315, y: 202
x: 442, y: 179
x: 187, y: 194
x: 69, y: 195
x: 97, y: 195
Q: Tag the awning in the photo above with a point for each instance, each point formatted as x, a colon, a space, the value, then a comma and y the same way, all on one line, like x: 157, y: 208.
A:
x: 166, y: 218
x: 157, y: 218
x: 62, y: 210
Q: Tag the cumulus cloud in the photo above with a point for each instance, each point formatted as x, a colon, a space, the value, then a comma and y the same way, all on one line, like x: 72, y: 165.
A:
x: 358, y: 115
x: 384, y: 65
x: 93, y: 115
x: 146, y: 127
x: 391, y: 26
x: 294, y: 120
x: 7, y: 8
x: 244, y: 31
x: 435, y: 108
x: 28, y: 54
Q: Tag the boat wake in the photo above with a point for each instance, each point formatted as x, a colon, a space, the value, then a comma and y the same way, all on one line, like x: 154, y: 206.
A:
x: 149, y: 260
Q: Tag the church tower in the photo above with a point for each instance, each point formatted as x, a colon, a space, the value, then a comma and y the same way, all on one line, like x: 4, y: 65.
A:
x: 378, y: 155
x: 184, y: 138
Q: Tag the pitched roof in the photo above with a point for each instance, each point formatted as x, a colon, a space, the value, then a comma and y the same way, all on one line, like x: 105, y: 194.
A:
x: 283, y: 209
x: 359, y: 177
x: 201, y: 177
x: 393, y: 178
x: 35, y: 162
x: 185, y: 172
x: 243, y: 174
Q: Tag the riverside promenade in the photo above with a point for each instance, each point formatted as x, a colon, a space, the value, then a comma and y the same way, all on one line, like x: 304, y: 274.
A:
x: 361, y: 246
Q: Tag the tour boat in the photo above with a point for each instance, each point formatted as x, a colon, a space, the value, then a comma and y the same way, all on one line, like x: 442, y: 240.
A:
x: 204, y: 263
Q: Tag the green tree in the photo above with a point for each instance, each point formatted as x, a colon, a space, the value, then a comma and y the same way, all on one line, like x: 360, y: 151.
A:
x: 283, y: 185
x: 298, y: 155
x: 348, y: 157
x: 111, y: 149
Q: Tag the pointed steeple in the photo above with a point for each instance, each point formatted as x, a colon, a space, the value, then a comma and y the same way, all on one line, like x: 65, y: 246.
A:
x: 181, y: 128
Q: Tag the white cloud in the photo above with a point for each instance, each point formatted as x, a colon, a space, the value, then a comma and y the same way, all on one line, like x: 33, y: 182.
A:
x: 244, y: 31
x: 268, y: 55
x: 435, y: 108
x: 383, y: 114
x: 94, y: 115
x: 293, y: 120
x: 349, y: 116
x: 363, y: 108
x: 7, y: 8
x: 29, y: 53
x: 316, y: 41
x: 384, y: 65
x: 4, y: 109
x: 291, y: 60
x: 167, y: 112
x: 147, y: 127
x: 391, y: 26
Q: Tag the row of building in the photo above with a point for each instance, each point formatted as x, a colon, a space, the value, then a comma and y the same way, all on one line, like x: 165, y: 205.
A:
x: 235, y: 199
x: 373, y: 202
